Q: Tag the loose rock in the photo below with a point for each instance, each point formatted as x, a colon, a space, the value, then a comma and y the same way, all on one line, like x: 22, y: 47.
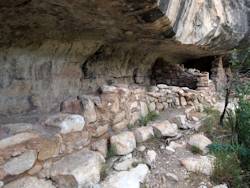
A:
x: 165, y: 128
x: 126, y: 179
x: 84, y: 165
x: 30, y: 182
x: 123, y: 143
x: 66, y: 122
x: 17, y: 139
x: 21, y: 163
x: 202, y: 164
x: 143, y: 134
x: 200, y: 141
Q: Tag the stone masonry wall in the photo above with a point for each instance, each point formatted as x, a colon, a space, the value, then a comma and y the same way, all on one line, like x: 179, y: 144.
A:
x: 77, y: 138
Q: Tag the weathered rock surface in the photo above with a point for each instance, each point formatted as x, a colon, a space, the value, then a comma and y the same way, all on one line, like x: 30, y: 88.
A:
x: 181, y: 121
x: 200, y: 141
x: 143, y: 134
x: 20, y: 163
x: 209, y: 20
x: 202, y: 164
x: 30, y: 182
x: 17, y: 139
x: 150, y: 157
x: 37, y: 78
x: 66, y: 122
x: 84, y: 166
x: 165, y: 129
x: 125, y: 179
x: 123, y: 143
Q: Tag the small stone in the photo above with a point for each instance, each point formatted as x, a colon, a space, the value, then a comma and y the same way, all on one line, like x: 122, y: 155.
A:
x: 151, y: 157
x: 162, y: 86
x: 30, y: 182
x: 221, y: 186
x: 152, y: 107
x: 66, y: 122
x: 200, y: 141
x: 123, y: 143
x: 109, y: 89
x: 141, y: 148
x: 159, y: 106
x: 193, y: 118
x: 172, y: 177
x: 170, y: 149
x: 126, y: 179
x: 165, y: 128
x: 180, y: 120
x: 143, y: 134
x: 201, y: 164
x: 21, y: 163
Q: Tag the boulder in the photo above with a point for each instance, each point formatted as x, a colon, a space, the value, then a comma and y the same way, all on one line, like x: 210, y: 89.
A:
x: 17, y: 139
x: 123, y: 143
x: 30, y: 182
x: 164, y: 129
x: 200, y: 141
x: 49, y: 149
x: 20, y: 163
x: 201, y: 164
x: 66, y: 122
x: 142, y: 134
x: 126, y: 179
x: 181, y: 121
x: 84, y: 166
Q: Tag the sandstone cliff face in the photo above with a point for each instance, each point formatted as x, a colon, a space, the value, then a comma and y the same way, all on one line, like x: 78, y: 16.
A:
x: 52, y: 50
x: 216, y: 23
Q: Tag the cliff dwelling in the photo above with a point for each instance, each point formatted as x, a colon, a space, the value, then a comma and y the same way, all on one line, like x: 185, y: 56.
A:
x: 115, y: 93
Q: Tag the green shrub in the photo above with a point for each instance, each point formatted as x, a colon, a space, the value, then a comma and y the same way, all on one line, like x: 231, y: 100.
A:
x: 111, y: 151
x: 144, y: 120
x: 196, y: 150
x: 227, y: 169
x: 211, y: 122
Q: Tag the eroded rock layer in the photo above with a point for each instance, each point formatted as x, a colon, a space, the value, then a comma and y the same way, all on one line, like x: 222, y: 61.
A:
x: 53, y: 50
